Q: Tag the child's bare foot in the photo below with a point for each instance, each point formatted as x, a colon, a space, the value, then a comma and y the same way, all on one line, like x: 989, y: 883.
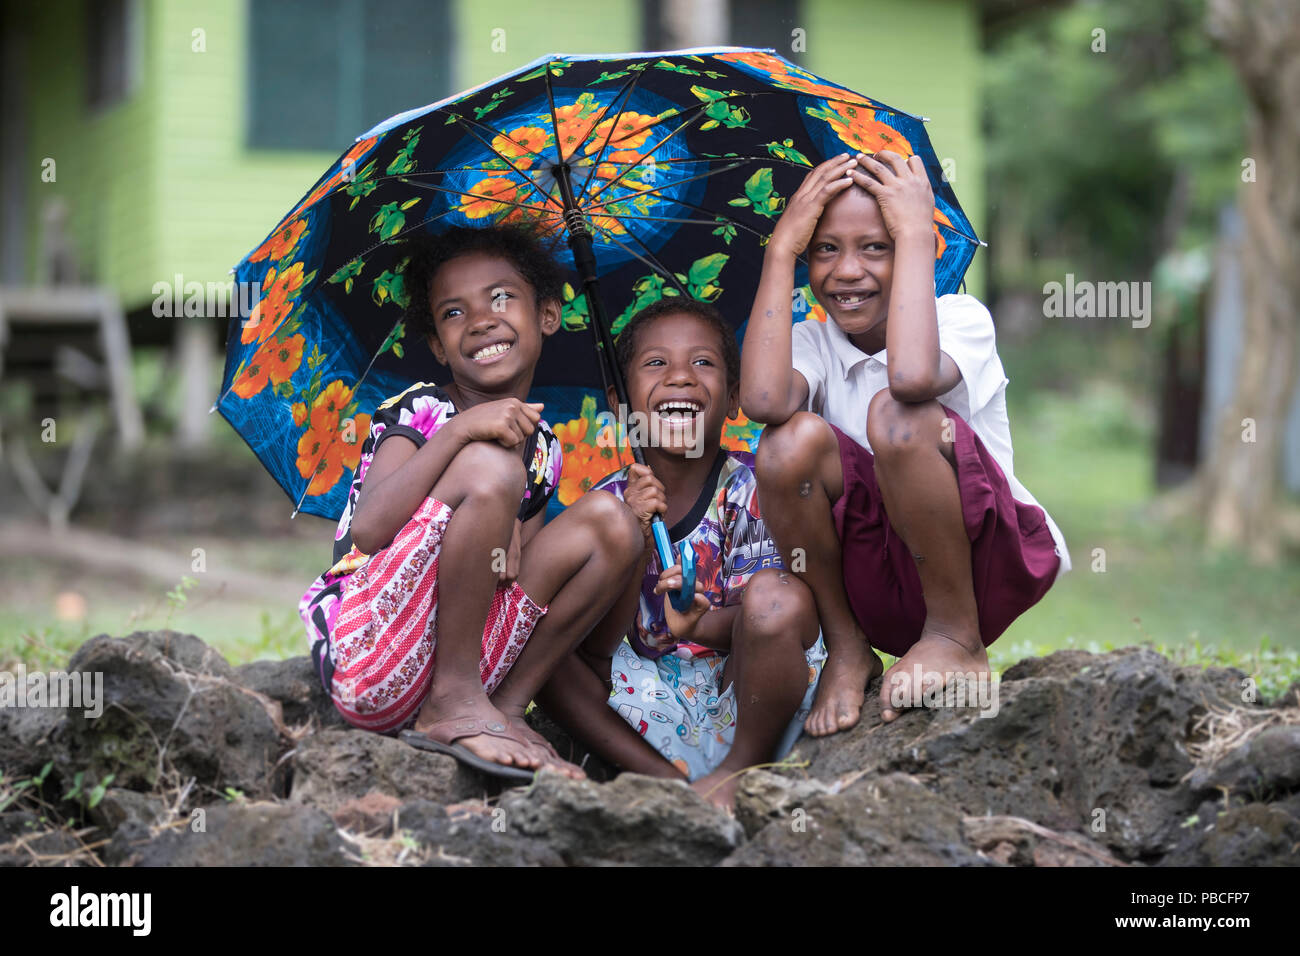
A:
x: 719, y: 788
x: 938, y: 658
x: 513, y: 751
x: 838, y: 703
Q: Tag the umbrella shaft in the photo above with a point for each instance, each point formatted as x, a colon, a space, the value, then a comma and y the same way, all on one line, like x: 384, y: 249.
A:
x: 584, y: 259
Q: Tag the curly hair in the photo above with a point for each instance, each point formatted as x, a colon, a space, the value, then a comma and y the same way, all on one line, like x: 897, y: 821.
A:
x: 519, y: 245
x: 625, y: 347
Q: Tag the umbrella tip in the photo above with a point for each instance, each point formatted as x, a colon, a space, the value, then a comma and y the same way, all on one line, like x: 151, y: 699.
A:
x: 213, y: 408
x: 924, y: 119
x: 982, y: 243
x: 294, y: 515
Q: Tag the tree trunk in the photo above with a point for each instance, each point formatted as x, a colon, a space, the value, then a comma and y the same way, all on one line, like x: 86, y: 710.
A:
x: 1241, y: 472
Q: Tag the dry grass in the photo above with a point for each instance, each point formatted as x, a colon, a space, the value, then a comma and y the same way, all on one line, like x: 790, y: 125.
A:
x: 1221, y: 730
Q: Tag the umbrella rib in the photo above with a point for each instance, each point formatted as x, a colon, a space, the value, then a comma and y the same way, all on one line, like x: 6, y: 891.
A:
x: 507, y: 159
x: 656, y: 189
x: 626, y: 90
x: 495, y: 132
x: 460, y: 192
x: 653, y: 261
x: 640, y: 159
x: 555, y: 117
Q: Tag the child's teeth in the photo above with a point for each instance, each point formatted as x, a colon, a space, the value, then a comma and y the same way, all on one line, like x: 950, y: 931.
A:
x: 491, y: 350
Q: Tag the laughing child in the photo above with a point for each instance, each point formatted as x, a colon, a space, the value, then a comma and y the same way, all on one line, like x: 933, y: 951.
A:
x: 887, y: 453
x: 726, y: 684
x: 441, y: 544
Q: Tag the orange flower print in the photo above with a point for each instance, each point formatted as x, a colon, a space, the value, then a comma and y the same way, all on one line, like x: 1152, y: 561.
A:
x: 282, y: 358
x: 802, y: 84
x: 299, y: 411
x: 281, y: 242
x: 574, y: 122
x: 578, y: 473
x: 940, y: 243
x: 632, y: 132
x: 253, y: 377
x: 521, y: 145
x: 357, y: 151
x: 570, y: 434
x: 760, y: 61
x: 320, y: 458
x: 862, y: 132
x: 329, y: 405
x: 279, y: 292
x: 353, y: 438
x: 487, y: 195
x: 779, y: 75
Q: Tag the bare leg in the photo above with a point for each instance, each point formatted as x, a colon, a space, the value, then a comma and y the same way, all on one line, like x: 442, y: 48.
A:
x: 776, y: 625
x: 799, y: 480
x: 575, y: 564
x: 577, y: 694
x: 482, y: 486
x: 915, y: 468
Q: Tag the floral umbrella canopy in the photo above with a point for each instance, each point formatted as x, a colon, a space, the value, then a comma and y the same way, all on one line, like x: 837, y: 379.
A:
x: 680, y: 163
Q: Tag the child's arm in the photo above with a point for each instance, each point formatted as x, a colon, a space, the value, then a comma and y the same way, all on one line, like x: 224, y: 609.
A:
x: 402, y: 475
x: 918, y: 370
x: 771, y: 390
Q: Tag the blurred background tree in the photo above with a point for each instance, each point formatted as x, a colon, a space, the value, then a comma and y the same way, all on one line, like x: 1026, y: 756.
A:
x: 1117, y: 135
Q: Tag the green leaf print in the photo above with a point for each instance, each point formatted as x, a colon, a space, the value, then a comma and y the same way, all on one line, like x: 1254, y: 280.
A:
x: 404, y: 161
x: 346, y: 274
x: 574, y: 315
x: 762, y: 196
x: 702, y: 281
x: 389, y: 287
x: 785, y: 150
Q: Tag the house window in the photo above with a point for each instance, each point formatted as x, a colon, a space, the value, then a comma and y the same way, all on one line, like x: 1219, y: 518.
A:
x: 112, y: 51
x: 321, y: 72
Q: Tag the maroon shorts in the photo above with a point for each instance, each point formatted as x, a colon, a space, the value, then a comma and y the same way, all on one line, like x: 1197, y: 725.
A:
x: 1013, y: 555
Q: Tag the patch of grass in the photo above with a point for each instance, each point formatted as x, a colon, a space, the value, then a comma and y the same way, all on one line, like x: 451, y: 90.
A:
x: 1087, y: 459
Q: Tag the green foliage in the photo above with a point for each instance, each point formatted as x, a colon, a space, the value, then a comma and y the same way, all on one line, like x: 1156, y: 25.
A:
x: 1085, y: 148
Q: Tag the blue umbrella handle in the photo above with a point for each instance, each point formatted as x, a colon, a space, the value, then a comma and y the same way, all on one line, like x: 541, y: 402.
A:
x: 683, y: 599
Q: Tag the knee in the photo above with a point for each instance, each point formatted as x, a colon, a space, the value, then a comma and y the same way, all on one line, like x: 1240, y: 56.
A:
x: 895, y: 427
x: 778, y: 605
x: 786, y: 452
x: 610, y: 522
x: 496, y: 472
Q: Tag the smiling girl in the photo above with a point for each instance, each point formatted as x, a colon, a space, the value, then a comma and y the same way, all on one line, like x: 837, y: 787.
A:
x: 441, y: 545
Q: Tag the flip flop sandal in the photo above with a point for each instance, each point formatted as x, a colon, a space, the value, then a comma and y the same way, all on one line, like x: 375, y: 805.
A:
x: 551, y: 751
x: 459, y: 728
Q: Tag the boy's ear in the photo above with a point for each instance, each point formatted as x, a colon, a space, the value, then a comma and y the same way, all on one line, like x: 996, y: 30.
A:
x: 549, y: 313
x: 611, y: 397
x: 435, y: 345
x: 733, y: 400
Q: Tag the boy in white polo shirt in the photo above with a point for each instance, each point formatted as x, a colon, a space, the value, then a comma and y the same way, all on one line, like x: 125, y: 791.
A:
x: 885, y: 469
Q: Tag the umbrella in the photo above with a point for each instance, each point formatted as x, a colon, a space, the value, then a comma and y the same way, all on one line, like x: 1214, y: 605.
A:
x: 666, y: 172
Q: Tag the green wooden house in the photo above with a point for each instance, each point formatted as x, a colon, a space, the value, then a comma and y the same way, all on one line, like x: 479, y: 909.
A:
x: 173, y: 134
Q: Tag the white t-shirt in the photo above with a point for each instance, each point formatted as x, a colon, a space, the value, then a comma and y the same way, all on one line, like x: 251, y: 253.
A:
x: 842, y: 379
